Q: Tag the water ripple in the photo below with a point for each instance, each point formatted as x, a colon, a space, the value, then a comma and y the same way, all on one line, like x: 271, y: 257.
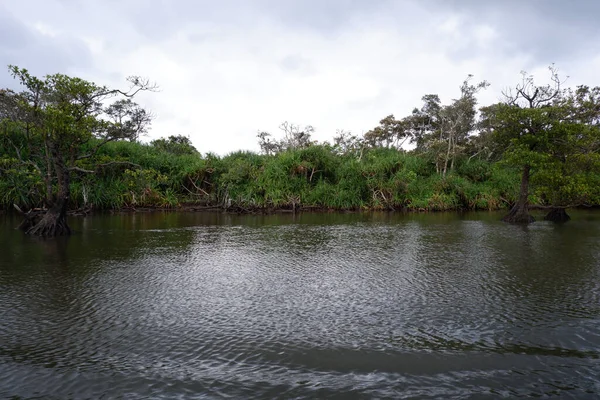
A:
x: 399, y: 308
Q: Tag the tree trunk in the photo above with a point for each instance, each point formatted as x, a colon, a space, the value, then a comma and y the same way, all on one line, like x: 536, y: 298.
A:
x: 519, y: 214
x: 558, y: 215
x: 447, y: 157
x: 54, y: 222
x: 453, y: 155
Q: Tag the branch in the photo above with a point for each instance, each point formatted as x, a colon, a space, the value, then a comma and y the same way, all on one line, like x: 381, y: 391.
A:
x: 87, y: 171
x: 312, y: 174
x: 200, y: 189
x: 138, y: 84
x: 476, y: 154
x: 95, y: 150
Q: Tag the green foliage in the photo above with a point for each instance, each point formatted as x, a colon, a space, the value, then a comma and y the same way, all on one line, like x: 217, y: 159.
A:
x: 475, y: 170
x: 19, y: 184
x: 178, y: 145
x: 560, y: 151
x: 145, y: 175
x: 553, y: 136
x: 50, y: 134
x: 450, y: 169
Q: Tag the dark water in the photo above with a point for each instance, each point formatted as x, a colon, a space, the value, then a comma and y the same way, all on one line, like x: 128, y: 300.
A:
x: 186, y: 306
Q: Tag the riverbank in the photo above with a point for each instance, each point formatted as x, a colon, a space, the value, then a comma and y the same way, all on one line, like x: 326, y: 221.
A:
x: 316, y: 178
x: 265, y: 210
x: 541, y: 211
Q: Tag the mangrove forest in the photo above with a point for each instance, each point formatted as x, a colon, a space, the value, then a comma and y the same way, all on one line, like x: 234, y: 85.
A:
x: 70, y: 145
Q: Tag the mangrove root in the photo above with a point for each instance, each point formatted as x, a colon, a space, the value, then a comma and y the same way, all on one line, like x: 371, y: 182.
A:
x: 557, y: 215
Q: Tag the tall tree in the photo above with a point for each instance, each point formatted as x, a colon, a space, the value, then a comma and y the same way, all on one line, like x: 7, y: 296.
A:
x: 443, y: 130
x: 345, y: 143
x: 458, y: 121
x: 65, y: 120
x: 529, y: 123
x: 423, y: 124
x: 390, y: 133
x: 294, y: 137
x: 570, y: 175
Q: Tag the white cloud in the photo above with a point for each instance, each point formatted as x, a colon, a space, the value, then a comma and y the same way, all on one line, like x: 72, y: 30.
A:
x: 225, y: 72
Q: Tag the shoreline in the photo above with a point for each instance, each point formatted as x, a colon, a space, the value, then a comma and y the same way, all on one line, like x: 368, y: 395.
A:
x: 238, y: 210
x: 269, y: 210
x: 308, y: 209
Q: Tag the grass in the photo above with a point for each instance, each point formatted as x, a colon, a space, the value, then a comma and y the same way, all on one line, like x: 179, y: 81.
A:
x: 314, y: 177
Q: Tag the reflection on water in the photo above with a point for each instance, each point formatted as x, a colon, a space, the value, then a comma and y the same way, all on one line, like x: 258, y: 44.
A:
x: 174, y: 305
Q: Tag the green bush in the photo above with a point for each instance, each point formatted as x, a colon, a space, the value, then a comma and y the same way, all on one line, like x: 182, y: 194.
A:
x: 135, y: 174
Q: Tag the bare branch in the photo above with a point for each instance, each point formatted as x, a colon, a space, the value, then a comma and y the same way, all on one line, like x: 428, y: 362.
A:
x: 535, y: 96
x: 87, y: 171
x: 138, y: 84
x: 198, y: 188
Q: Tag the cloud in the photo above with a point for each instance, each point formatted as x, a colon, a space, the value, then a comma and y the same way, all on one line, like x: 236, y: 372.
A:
x: 37, y: 47
x: 228, y: 69
x: 548, y: 30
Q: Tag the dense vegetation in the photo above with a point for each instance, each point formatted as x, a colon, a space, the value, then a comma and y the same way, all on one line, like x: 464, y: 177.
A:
x: 60, y: 144
x: 315, y: 176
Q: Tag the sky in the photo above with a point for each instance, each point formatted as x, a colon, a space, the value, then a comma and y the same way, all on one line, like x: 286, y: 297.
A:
x: 230, y: 68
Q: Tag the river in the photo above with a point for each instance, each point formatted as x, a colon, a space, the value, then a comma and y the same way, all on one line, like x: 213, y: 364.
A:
x: 348, y: 306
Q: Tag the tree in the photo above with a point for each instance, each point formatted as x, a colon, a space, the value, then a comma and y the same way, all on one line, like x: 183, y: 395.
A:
x: 551, y: 134
x: 570, y: 175
x: 267, y: 145
x: 442, y: 131
x: 294, y: 138
x: 390, y: 133
x: 423, y: 124
x: 458, y: 121
x: 523, y: 123
x: 178, y: 145
x: 345, y: 143
x: 64, y: 121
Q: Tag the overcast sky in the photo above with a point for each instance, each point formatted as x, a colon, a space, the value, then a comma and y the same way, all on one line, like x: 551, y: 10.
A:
x: 227, y: 69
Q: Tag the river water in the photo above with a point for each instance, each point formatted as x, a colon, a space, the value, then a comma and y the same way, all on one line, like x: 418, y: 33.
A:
x: 202, y: 306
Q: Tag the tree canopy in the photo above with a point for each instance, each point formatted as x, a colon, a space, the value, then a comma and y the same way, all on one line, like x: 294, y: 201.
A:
x: 56, y: 125
x: 551, y: 134
x: 66, y: 142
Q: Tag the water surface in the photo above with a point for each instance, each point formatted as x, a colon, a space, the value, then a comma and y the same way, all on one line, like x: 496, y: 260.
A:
x: 176, y: 305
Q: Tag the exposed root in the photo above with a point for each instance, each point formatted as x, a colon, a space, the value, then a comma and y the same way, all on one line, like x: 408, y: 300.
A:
x: 558, y: 215
x: 519, y: 215
x: 50, y: 223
